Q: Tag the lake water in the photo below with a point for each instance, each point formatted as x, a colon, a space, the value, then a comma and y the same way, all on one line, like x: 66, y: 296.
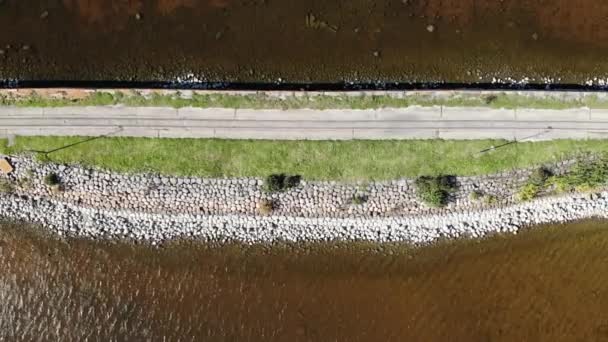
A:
x: 543, y: 285
x: 304, y: 41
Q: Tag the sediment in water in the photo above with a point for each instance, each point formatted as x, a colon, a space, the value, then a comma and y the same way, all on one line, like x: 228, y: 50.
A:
x: 74, y: 289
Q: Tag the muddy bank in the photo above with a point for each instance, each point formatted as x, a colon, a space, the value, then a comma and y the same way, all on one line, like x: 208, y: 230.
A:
x: 542, y: 285
x: 298, y: 41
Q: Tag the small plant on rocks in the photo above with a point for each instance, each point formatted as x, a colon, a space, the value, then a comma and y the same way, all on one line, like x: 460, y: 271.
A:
x: 265, y: 206
x: 435, y: 191
x: 489, y: 199
x: 528, y: 192
x: 586, y: 175
x: 359, y: 199
x: 536, y: 183
x: 52, y: 179
x: 540, y: 176
x: 281, y: 182
x: 475, y: 195
x: 5, y: 186
x: 292, y: 181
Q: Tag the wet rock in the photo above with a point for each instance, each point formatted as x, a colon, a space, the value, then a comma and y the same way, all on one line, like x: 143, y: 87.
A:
x: 430, y: 28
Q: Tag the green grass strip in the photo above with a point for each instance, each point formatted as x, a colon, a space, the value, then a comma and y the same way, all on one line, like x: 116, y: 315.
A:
x: 259, y: 101
x: 319, y: 160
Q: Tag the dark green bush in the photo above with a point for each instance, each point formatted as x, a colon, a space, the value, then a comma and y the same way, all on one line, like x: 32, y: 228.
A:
x: 52, y: 179
x: 281, y: 182
x: 292, y: 181
x: 274, y: 183
x: 588, y: 174
x: 540, y: 176
x: 435, y: 191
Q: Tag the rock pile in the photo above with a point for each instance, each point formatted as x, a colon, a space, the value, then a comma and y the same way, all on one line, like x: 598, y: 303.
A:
x: 152, y: 193
x: 99, y: 204
x: 72, y: 220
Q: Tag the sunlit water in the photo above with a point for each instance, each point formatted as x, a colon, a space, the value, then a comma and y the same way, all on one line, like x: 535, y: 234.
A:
x: 544, y: 285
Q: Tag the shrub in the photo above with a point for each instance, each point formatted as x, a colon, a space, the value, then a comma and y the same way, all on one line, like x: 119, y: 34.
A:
x: 52, y: 179
x: 475, y: 195
x: 539, y: 176
x: 559, y: 183
x: 435, y: 191
x: 528, y: 192
x: 536, y: 182
x: 281, y: 182
x: 265, y: 206
x: 5, y: 186
x: 490, y: 199
x: 274, y: 183
x: 292, y: 181
x: 359, y: 199
x: 586, y: 175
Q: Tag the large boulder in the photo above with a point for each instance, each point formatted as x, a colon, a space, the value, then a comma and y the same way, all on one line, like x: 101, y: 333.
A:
x: 5, y: 166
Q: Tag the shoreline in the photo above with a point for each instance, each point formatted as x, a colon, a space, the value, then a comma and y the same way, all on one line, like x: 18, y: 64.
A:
x: 71, y: 213
x: 279, y: 99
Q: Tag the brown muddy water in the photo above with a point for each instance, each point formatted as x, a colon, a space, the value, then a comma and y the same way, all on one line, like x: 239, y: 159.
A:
x: 305, y: 41
x: 544, y: 285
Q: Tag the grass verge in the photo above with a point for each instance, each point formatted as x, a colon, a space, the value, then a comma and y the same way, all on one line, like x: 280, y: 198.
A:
x: 320, y: 160
x: 259, y: 101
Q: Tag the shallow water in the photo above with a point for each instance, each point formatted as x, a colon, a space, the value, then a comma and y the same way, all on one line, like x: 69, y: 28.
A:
x: 543, y: 285
x: 302, y: 41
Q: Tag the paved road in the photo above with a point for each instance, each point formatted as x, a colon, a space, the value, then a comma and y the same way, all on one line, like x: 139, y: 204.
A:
x: 402, y: 123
